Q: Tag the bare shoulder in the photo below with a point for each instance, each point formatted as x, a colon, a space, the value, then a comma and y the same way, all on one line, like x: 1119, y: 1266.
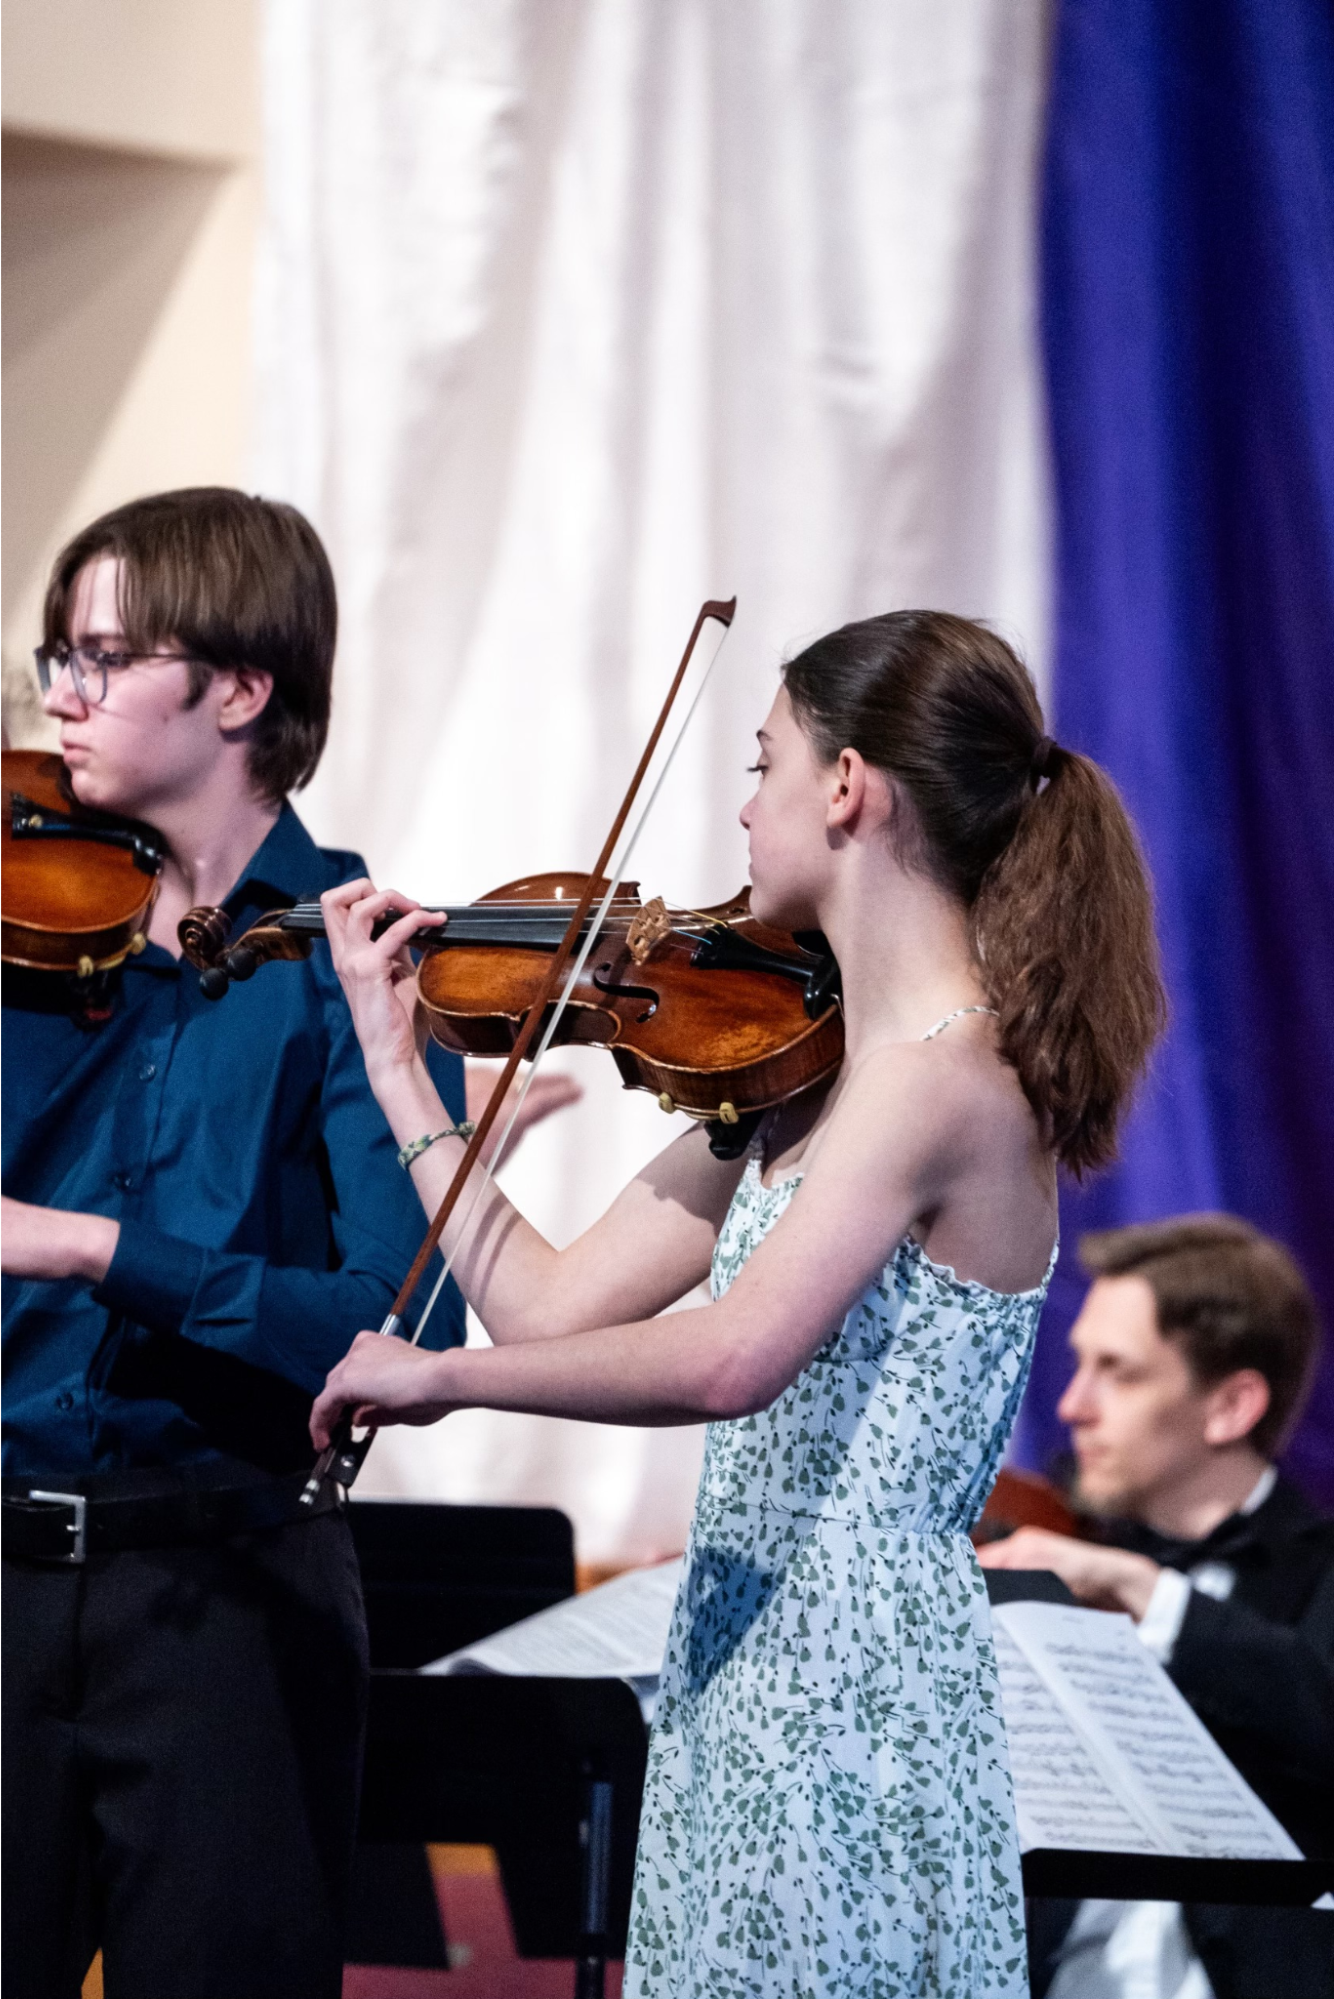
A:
x: 923, y: 1141
x: 962, y: 1138
x: 956, y: 1091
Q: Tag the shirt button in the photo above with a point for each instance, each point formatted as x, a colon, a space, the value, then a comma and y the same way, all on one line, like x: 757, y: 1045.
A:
x: 64, y: 1400
x: 122, y: 1180
x: 147, y: 1073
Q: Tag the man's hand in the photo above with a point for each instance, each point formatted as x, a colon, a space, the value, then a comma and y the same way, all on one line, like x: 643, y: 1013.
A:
x: 54, y: 1243
x: 1103, y: 1578
x: 381, y: 1380
x: 549, y: 1091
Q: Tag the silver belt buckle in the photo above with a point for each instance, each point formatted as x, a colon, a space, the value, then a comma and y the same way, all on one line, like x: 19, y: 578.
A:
x: 78, y: 1526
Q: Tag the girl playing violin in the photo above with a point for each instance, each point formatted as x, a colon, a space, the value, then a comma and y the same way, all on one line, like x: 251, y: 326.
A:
x: 828, y: 1807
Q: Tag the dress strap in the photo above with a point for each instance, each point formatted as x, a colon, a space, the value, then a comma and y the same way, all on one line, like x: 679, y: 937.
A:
x: 957, y: 1014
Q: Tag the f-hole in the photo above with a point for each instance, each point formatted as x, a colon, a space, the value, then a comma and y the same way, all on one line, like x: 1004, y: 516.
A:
x: 604, y: 982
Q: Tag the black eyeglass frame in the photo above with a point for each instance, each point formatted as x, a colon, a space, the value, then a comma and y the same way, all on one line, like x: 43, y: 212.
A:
x: 83, y: 660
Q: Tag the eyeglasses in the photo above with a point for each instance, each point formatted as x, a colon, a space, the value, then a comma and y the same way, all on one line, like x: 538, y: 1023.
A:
x: 90, y: 669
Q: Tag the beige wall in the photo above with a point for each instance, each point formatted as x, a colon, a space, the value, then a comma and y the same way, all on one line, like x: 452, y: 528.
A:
x: 130, y: 144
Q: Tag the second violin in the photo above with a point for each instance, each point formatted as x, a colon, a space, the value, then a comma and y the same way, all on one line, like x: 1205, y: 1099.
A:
x: 79, y: 885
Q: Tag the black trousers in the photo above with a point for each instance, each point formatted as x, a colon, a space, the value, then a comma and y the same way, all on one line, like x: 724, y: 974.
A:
x: 182, y: 1750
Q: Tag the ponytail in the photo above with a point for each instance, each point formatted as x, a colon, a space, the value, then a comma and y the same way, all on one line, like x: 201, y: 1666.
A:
x: 1063, y: 929
x: 1032, y: 839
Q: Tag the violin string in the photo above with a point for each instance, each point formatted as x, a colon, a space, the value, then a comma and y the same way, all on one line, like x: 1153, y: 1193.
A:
x: 312, y: 911
x: 614, y: 871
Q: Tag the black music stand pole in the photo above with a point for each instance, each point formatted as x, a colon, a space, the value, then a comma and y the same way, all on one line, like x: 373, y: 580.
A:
x: 590, y: 1966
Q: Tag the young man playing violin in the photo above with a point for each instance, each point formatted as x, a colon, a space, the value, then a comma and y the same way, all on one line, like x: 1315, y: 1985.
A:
x: 203, y: 1206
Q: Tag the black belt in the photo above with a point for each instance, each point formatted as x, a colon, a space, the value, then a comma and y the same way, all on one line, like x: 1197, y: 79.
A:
x: 42, y: 1524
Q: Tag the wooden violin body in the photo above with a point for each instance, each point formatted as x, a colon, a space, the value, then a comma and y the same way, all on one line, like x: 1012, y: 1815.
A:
x: 1025, y: 1499
x: 707, y: 1010
x: 711, y: 1011
x: 78, y: 885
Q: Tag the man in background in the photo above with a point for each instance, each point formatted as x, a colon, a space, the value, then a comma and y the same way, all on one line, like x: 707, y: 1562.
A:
x: 1194, y: 1349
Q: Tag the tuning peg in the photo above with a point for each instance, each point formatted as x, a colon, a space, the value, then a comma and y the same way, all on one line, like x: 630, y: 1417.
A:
x: 241, y: 963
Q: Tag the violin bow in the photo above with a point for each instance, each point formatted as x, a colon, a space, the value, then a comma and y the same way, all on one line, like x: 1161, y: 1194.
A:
x: 344, y: 1455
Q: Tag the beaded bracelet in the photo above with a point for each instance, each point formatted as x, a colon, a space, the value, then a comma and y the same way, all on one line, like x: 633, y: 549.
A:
x: 407, y: 1153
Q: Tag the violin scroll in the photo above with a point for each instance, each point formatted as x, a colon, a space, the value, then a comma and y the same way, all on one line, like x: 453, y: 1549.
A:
x: 205, y: 937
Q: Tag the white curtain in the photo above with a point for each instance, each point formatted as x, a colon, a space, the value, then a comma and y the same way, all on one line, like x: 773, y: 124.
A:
x: 572, y: 313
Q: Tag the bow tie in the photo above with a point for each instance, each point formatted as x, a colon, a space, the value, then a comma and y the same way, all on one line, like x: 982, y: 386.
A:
x: 1175, y: 1551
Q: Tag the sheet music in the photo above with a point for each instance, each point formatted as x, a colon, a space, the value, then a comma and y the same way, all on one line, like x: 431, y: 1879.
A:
x: 1151, y: 1751
x: 617, y: 1631
x: 1106, y: 1754
x: 1062, y: 1796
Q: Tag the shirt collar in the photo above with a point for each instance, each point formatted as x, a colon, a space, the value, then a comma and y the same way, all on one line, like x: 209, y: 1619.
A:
x: 286, y: 866
x: 1177, y: 1551
x: 1260, y: 1491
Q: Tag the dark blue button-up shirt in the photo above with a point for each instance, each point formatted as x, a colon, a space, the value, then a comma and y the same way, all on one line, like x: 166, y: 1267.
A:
x: 264, y: 1218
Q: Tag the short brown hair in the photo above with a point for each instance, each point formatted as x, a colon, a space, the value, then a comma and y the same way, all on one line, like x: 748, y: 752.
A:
x: 234, y: 581
x: 1230, y: 1297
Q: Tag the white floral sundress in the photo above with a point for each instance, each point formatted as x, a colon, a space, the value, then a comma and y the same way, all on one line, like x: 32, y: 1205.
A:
x: 828, y: 1811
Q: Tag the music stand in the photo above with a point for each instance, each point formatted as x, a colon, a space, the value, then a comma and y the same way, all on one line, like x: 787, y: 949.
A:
x: 1078, y: 1873
x: 436, y: 1577
x: 548, y: 1772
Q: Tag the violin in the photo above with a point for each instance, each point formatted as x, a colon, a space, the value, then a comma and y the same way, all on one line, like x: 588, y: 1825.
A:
x: 711, y: 1011
x: 78, y: 885
x: 1025, y: 1499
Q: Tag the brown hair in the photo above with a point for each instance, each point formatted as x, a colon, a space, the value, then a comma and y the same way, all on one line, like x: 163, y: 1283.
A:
x: 1230, y: 1296
x: 233, y: 581
x: 1050, y: 872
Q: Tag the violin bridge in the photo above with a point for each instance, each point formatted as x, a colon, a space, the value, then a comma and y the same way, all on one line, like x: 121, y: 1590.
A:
x: 648, y: 927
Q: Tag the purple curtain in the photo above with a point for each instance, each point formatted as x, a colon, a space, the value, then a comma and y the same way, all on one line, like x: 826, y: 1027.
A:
x: 1188, y: 325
